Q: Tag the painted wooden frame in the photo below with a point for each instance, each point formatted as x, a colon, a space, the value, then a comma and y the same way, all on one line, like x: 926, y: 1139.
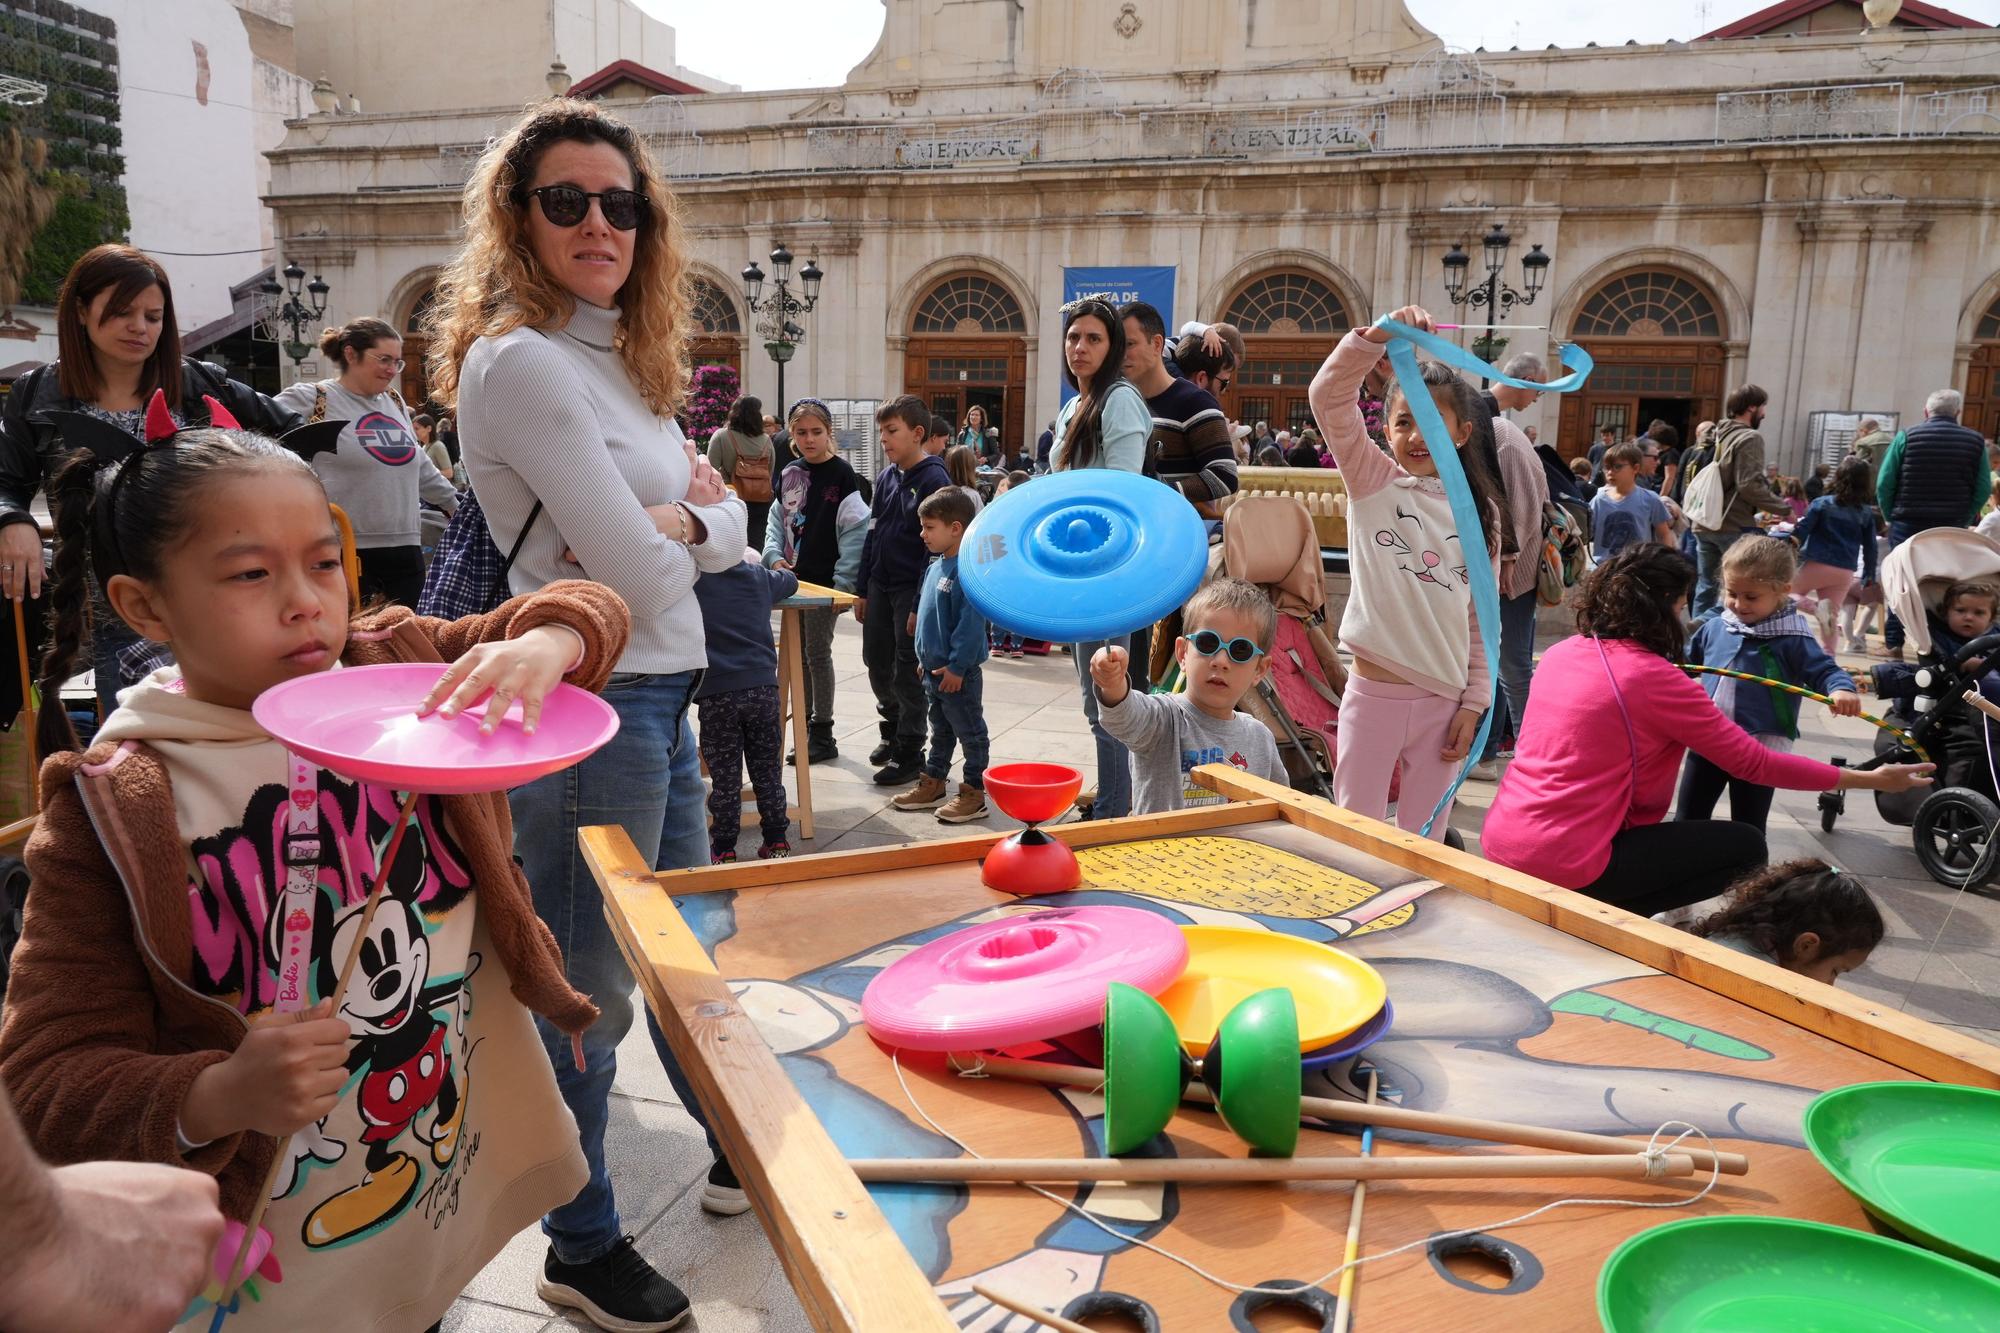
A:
x: 849, y: 1268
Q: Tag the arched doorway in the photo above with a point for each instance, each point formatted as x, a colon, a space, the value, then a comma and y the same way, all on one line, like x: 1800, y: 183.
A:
x: 968, y: 346
x: 1657, y: 337
x: 1982, y: 377
x: 717, y: 339
x: 416, y: 382
x: 1290, y: 319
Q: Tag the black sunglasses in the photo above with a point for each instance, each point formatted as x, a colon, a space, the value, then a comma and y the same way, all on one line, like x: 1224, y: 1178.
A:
x: 1208, y: 643
x: 566, y: 205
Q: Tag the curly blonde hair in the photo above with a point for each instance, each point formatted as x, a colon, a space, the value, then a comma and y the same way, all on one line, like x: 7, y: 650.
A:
x: 494, y: 284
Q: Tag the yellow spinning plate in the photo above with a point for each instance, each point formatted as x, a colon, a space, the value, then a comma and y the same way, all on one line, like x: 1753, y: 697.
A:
x: 1226, y: 964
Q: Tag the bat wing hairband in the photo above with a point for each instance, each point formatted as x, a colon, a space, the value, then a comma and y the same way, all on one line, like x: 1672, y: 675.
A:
x: 112, y: 445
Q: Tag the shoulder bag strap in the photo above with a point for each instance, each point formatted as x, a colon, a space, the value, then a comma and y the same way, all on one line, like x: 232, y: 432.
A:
x: 296, y: 906
x: 319, y: 405
x: 526, y: 528
x: 1618, y: 696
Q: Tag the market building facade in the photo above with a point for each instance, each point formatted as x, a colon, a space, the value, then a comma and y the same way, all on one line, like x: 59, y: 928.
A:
x: 1817, y: 213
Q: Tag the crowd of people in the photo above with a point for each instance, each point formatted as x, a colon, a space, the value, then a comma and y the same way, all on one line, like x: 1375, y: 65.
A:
x: 201, y: 566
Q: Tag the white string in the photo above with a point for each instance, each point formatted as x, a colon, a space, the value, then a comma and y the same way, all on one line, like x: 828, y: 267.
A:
x: 1654, y: 1153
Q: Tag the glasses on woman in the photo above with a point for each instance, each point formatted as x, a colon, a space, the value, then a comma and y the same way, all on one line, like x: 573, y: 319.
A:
x: 567, y: 205
x: 1208, y: 643
x: 387, y: 362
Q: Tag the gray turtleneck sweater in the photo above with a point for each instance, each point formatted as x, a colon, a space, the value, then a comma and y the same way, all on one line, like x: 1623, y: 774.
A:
x: 552, y: 415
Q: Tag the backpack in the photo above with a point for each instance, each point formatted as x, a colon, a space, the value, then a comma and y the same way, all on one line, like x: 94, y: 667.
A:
x: 1565, y: 554
x: 1706, y: 502
x: 752, y: 478
x: 468, y: 575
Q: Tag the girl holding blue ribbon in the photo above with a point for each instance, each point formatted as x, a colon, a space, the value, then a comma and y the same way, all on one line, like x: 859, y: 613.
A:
x: 1420, y: 680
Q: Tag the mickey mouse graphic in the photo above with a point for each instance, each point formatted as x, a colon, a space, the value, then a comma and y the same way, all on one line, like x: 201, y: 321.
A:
x: 405, y: 1066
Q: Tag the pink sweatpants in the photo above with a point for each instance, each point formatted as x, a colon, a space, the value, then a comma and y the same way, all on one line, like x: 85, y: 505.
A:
x: 1381, y: 723
x: 1829, y: 582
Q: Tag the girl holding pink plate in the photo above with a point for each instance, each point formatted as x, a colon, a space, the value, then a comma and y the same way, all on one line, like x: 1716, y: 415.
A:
x: 175, y: 996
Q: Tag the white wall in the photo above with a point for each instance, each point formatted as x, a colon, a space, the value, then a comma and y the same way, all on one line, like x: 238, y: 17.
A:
x: 192, y: 170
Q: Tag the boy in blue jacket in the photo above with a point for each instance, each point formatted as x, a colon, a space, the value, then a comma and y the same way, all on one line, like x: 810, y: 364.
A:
x: 892, y: 569
x: 951, y: 643
x: 738, y: 703
x: 1762, y: 633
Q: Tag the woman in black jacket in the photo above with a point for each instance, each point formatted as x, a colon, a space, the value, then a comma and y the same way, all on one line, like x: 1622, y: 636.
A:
x: 118, y: 343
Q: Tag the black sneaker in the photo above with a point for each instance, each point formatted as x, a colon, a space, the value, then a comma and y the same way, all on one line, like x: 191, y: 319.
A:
x: 901, y: 769
x: 618, y: 1291
x: 821, y: 750
x: 881, y: 754
x: 723, y: 1195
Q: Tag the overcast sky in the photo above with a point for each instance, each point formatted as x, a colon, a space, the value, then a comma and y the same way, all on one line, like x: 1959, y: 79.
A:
x: 809, y: 43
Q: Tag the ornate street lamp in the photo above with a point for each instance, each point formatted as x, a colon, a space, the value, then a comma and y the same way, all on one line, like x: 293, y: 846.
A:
x: 294, y: 313
x: 558, y: 78
x: 1494, y: 295
x: 779, y: 326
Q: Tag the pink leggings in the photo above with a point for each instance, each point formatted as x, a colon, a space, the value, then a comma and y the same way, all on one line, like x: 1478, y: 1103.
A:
x: 1828, y: 581
x: 1381, y: 723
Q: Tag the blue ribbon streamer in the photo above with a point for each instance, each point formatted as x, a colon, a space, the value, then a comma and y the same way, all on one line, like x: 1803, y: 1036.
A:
x: 1403, y: 344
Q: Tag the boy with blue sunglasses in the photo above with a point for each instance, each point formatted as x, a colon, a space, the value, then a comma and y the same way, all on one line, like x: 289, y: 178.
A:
x: 1224, y: 652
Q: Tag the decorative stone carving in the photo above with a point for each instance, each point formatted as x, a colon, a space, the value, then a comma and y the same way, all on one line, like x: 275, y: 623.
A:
x: 1128, y: 22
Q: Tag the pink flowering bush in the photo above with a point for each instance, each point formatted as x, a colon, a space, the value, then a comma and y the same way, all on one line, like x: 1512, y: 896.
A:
x: 712, y: 391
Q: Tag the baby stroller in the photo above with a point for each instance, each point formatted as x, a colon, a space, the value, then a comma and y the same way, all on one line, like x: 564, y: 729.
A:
x: 1270, y: 541
x: 1953, y: 822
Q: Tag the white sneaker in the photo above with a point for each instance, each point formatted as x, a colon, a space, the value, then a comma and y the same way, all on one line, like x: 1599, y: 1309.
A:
x: 1823, y: 612
x: 1856, y: 644
x: 1486, y: 770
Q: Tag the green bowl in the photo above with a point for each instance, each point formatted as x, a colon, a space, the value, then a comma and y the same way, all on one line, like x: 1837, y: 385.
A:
x: 1922, y: 1157
x: 1780, y: 1275
x: 1253, y: 1069
x: 1145, y: 1069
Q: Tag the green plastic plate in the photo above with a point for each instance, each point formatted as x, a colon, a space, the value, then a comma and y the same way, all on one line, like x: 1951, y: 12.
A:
x: 1922, y: 1157
x: 1779, y: 1275
x: 1145, y: 1069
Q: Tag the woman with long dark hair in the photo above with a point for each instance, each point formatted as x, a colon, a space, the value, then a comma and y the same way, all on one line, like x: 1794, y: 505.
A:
x: 118, y: 342
x: 1105, y: 425
x: 743, y: 453
x: 557, y: 336
x: 1609, y: 717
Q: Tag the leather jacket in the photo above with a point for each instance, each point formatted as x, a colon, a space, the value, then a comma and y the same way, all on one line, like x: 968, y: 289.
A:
x: 31, y: 445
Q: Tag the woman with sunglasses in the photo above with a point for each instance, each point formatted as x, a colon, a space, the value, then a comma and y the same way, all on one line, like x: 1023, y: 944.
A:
x: 380, y: 472
x: 557, y: 336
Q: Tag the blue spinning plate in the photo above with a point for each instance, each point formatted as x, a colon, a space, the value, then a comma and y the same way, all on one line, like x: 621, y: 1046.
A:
x: 1078, y: 556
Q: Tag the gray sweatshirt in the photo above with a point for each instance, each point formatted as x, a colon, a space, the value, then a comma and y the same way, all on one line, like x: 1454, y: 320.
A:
x: 1169, y: 737
x: 553, y: 416
x: 379, y: 470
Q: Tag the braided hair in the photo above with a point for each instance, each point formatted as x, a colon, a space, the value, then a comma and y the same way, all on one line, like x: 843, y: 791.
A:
x: 121, y: 516
x: 1632, y: 596
x: 1779, y: 903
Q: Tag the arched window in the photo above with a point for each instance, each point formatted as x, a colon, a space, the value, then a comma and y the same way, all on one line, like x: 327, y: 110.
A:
x: 1651, y: 303
x: 1287, y: 305
x: 969, y: 303
x: 714, y: 312
x: 415, y: 323
x: 1989, y: 324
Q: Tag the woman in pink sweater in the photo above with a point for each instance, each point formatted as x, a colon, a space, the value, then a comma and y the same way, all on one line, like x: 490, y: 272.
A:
x: 1611, y: 716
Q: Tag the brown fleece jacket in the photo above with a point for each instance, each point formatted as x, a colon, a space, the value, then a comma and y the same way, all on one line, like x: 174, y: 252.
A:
x: 104, y: 1032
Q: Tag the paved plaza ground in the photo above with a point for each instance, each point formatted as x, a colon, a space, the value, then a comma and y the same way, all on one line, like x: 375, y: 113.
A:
x: 1033, y: 712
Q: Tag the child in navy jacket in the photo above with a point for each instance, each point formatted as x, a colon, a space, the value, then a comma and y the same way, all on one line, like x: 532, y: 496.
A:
x: 1763, y: 634
x: 951, y: 643
x: 738, y: 701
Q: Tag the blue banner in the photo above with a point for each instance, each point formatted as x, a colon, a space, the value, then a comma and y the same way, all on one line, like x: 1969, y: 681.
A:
x: 1153, y: 285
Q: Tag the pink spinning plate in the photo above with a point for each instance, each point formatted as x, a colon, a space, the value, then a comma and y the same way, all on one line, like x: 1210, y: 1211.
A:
x: 362, y: 723
x: 1020, y: 978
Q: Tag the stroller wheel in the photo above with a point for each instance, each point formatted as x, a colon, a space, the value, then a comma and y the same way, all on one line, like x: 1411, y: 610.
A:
x: 1832, y: 804
x: 1951, y: 830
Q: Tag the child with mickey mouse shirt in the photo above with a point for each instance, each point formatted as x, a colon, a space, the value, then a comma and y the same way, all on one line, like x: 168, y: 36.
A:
x: 196, y: 887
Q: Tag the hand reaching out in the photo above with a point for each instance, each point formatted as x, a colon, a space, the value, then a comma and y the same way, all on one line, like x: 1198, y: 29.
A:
x: 1415, y: 316
x: 1845, y: 703
x: 1108, y: 667
x: 526, y: 669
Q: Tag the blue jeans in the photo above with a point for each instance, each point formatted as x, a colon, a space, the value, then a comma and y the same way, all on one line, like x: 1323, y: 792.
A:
x: 957, y: 717
x: 1709, y: 549
x: 648, y: 782
x: 1516, y: 664
x: 1114, y: 761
